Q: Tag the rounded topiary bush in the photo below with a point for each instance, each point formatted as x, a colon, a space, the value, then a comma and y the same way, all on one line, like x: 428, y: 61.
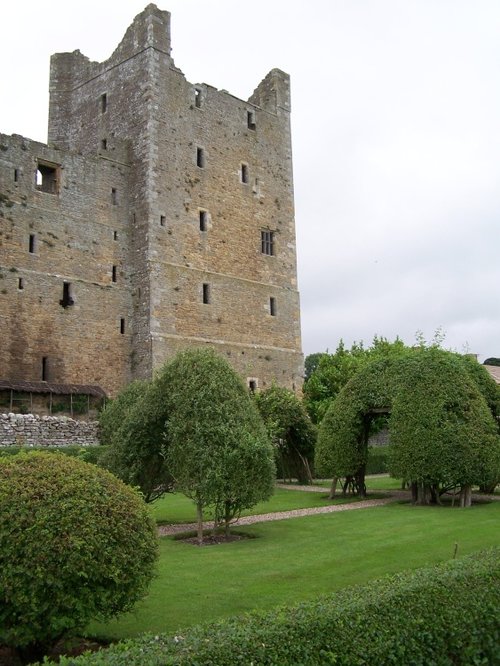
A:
x: 76, y: 544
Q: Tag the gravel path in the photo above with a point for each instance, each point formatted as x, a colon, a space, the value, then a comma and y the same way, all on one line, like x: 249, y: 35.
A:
x: 392, y: 496
x: 165, y: 530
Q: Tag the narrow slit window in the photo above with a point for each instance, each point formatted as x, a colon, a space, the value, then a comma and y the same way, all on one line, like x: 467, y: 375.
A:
x: 163, y: 220
x: 122, y: 326
x: 114, y: 196
x: 197, y: 98
x: 252, y: 385
x: 104, y: 103
x: 32, y: 244
x: 244, y: 173
x: 104, y: 144
x: 206, y: 293
x: 267, y: 242
x: 272, y: 306
x: 45, y: 368
x: 115, y: 235
x: 113, y: 274
x: 67, y: 299
x: 251, y: 120
x: 200, y: 158
x: 47, y: 177
x: 16, y: 175
x: 203, y: 220
x: 20, y: 284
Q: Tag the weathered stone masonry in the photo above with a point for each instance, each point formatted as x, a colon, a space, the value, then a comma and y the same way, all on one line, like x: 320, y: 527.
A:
x: 31, y: 430
x: 162, y: 218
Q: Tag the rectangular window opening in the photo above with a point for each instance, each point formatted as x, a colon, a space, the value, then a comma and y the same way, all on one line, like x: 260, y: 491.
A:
x: 45, y: 368
x: 114, y: 196
x: 47, y: 177
x: 206, y: 293
x: 32, y: 244
x: 200, y: 158
x: 113, y: 274
x: 66, y: 300
x: 163, y: 220
x: 267, y: 242
x: 20, y: 284
x: 252, y: 385
x: 122, y: 326
x: 251, y: 120
x: 244, y: 173
x: 104, y: 103
x: 197, y: 98
x: 272, y: 306
x: 16, y: 175
x: 203, y: 220
x: 104, y: 144
x: 115, y: 235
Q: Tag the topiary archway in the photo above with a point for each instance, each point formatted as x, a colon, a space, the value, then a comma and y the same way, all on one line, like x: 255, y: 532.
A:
x: 443, y: 432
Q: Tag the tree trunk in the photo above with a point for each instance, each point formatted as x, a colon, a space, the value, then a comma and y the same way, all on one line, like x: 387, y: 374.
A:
x: 333, y: 488
x: 199, y: 516
x: 227, y: 519
x: 466, y: 496
x: 421, y: 493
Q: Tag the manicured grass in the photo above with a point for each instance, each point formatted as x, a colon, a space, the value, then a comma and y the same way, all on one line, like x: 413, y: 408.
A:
x: 300, y: 558
x: 176, y: 508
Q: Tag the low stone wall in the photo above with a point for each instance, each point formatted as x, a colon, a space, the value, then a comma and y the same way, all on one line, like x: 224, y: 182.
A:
x: 33, y: 430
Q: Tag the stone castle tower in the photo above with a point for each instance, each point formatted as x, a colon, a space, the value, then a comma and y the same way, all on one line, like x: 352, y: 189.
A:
x: 159, y: 216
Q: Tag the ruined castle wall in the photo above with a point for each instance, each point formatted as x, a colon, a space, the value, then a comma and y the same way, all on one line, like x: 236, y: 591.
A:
x: 75, y: 233
x: 171, y: 183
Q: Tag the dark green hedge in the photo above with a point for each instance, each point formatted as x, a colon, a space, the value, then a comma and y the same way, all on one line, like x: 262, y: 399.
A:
x: 90, y: 454
x: 378, y: 460
x: 445, y: 615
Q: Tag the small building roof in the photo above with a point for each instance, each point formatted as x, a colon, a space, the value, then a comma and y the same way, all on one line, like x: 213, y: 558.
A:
x: 51, y: 387
x: 494, y: 371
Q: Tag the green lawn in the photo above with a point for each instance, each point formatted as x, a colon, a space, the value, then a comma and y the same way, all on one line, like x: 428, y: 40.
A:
x: 373, y: 483
x: 296, y: 559
x: 176, y: 508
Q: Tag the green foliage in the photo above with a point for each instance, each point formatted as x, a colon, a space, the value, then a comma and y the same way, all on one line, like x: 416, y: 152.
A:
x: 75, y: 544
x: 442, y: 432
x: 378, y: 460
x: 218, y: 450
x: 90, y: 454
x: 333, y: 371
x: 311, y: 363
x: 442, y: 429
x: 492, y: 361
x: 133, y: 426
x: 448, y: 614
x: 290, y: 430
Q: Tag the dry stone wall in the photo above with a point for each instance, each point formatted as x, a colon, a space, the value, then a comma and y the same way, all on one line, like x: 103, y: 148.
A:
x: 32, y: 430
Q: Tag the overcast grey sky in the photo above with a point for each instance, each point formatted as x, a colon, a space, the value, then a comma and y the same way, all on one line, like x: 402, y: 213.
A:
x: 396, y: 139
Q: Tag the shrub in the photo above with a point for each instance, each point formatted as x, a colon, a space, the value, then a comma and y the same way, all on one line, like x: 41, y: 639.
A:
x: 378, y: 460
x: 75, y: 544
x: 447, y: 614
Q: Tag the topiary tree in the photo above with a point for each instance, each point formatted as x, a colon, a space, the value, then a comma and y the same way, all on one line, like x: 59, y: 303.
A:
x: 133, y: 426
x: 218, y: 450
x: 290, y: 430
x: 443, y: 432
x: 75, y: 544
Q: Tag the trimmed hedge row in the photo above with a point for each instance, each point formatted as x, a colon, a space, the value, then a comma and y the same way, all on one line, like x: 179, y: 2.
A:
x: 447, y: 614
x: 378, y: 460
x: 90, y: 454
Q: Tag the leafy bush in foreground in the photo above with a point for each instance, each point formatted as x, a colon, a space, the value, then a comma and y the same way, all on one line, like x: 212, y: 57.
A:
x: 445, y: 615
x: 75, y: 544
